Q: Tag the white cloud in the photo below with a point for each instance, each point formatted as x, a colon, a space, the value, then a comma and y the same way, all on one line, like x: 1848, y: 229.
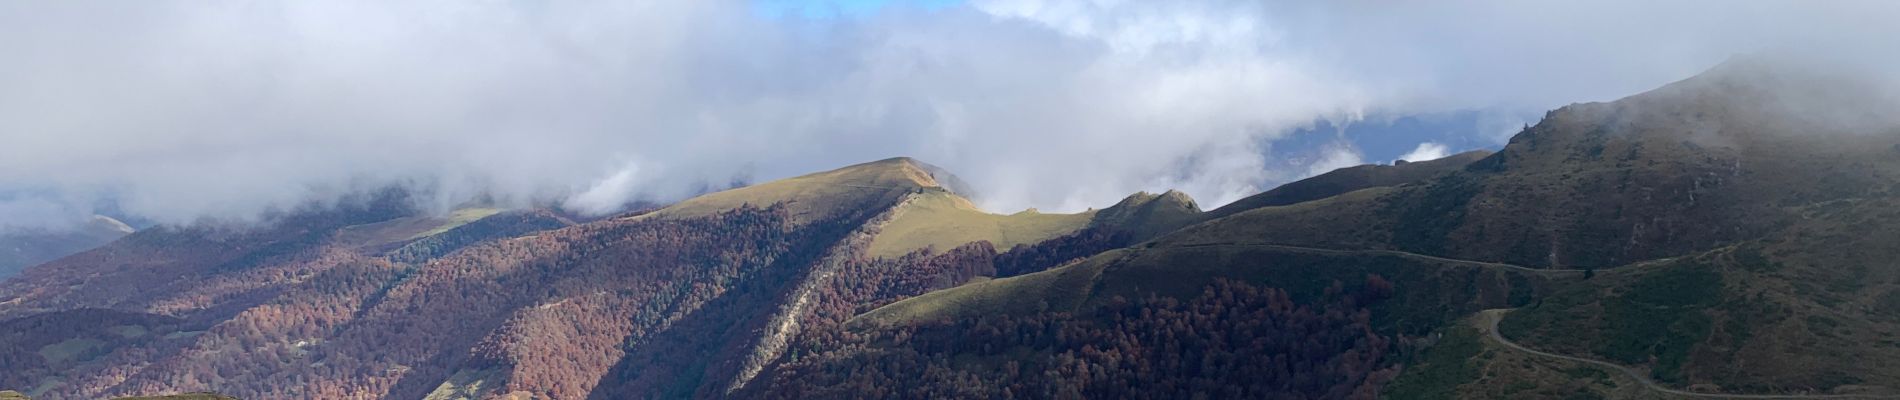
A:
x: 183, y: 110
x: 39, y: 212
x: 608, y: 194
x: 1335, y: 157
x: 1427, y: 151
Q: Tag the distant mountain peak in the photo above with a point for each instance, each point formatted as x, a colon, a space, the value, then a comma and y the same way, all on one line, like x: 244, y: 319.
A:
x: 943, y: 178
x: 895, y: 171
x: 1168, y: 199
x: 1754, y: 95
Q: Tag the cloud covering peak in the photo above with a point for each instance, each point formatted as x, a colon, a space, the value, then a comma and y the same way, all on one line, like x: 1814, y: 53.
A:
x: 181, y: 111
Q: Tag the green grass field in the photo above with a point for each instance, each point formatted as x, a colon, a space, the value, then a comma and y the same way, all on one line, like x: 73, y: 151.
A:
x: 943, y: 220
x: 815, y: 197
x: 457, y: 218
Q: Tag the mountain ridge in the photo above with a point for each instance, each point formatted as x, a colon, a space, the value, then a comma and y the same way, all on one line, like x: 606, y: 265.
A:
x: 1710, y: 214
x: 1701, y: 232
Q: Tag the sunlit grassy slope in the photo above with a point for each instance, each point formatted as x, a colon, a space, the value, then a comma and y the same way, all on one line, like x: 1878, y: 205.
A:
x: 815, y: 196
x: 399, y: 230
x: 457, y: 218
x: 927, y: 214
x: 1436, y: 290
x: 942, y: 220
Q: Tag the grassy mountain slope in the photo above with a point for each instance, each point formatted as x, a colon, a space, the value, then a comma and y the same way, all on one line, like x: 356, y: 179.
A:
x: 932, y: 215
x: 817, y: 196
x: 1800, y: 302
x: 1691, y: 166
x: 942, y: 220
x: 1468, y: 363
x: 1145, y: 215
x: 1810, y: 308
x: 1444, y: 288
x: 1744, y: 212
x: 929, y: 214
x: 1343, y: 180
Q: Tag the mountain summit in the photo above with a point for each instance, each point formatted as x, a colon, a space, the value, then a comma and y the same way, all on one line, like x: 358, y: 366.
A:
x: 819, y: 195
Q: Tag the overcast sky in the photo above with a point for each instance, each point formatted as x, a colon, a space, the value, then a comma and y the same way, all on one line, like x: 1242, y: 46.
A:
x: 181, y: 111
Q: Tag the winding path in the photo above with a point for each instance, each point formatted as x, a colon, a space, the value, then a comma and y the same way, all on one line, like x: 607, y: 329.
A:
x: 1492, y: 317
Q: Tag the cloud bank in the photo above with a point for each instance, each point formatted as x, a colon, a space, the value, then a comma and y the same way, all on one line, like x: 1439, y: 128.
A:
x: 184, y: 111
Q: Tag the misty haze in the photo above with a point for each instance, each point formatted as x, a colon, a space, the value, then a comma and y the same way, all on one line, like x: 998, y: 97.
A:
x: 920, y: 199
